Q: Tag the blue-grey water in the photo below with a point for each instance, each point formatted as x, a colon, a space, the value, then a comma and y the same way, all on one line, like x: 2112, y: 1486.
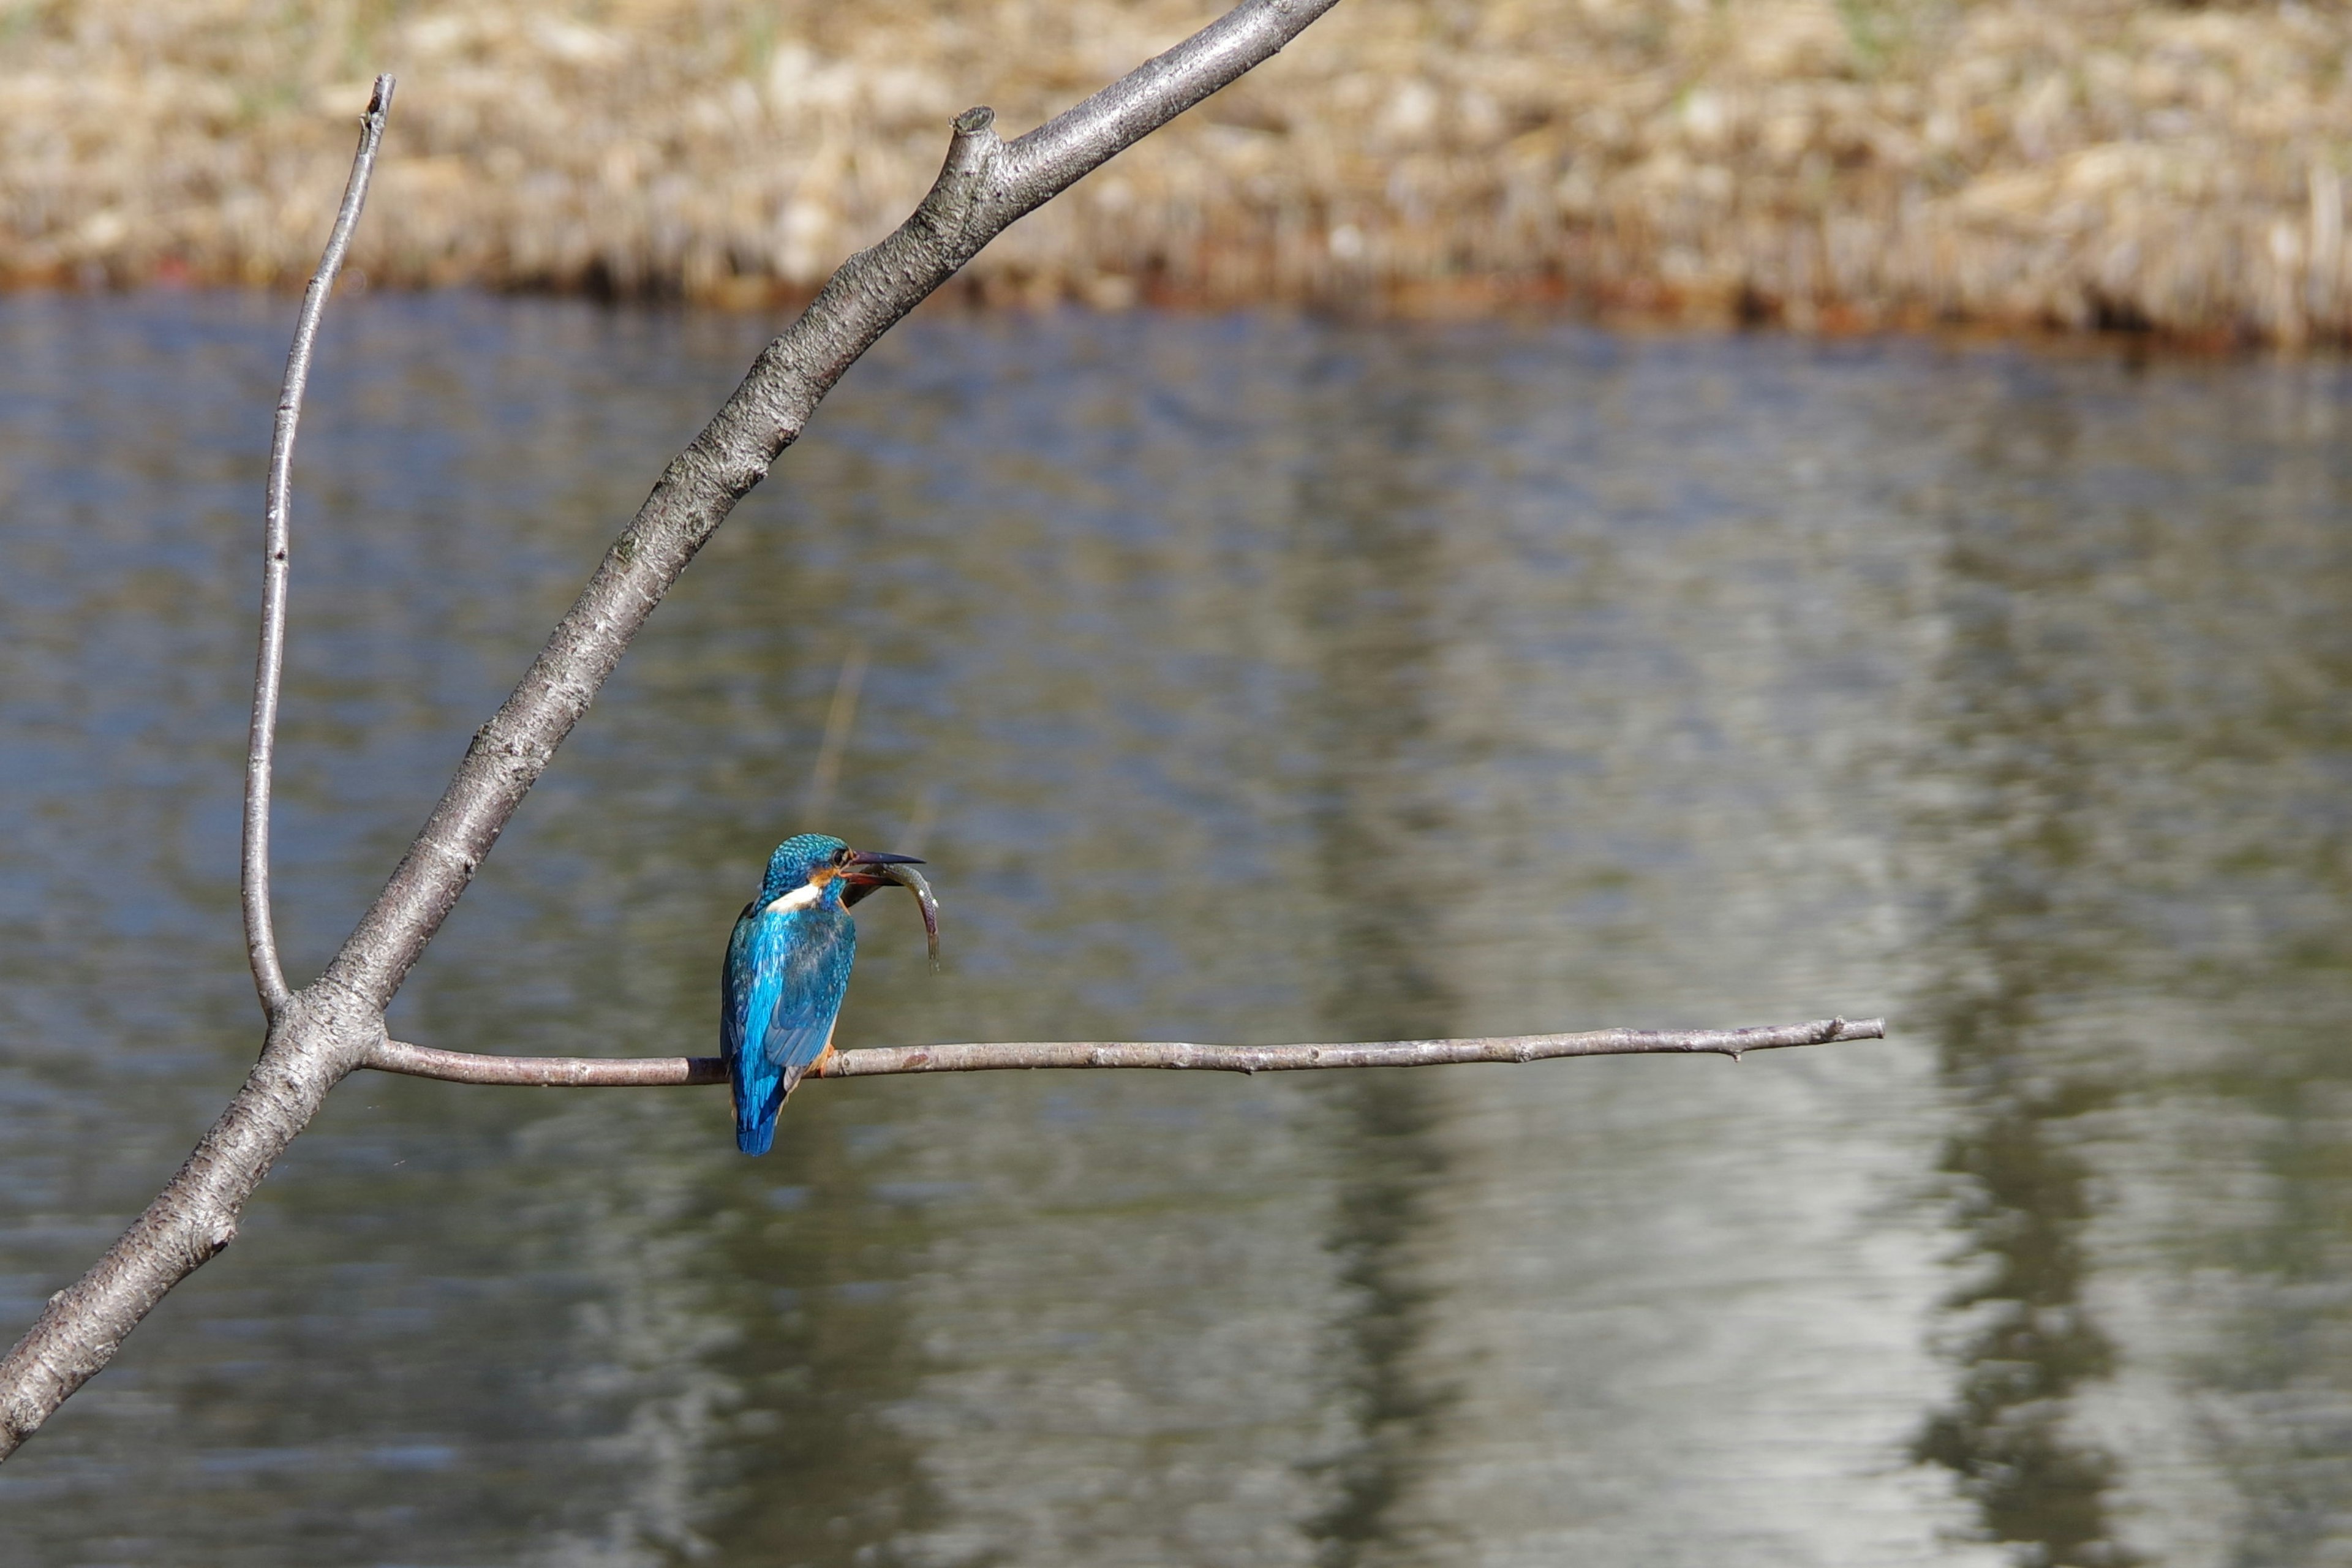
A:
x: 1246, y: 680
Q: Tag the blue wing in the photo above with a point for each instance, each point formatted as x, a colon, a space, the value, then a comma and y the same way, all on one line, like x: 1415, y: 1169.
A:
x: 782, y: 990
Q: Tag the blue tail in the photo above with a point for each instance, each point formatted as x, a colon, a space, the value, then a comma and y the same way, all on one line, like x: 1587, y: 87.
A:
x: 756, y: 1133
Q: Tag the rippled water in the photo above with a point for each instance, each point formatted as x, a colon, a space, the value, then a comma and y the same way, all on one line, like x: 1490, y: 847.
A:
x: 1247, y: 680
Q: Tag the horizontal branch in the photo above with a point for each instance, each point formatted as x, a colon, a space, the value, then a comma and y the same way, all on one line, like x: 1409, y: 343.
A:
x: 648, y: 1072
x: 545, y: 1072
x: 1733, y: 1042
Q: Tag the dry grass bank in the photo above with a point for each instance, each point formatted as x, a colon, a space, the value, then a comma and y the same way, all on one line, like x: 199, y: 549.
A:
x: 2069, y: 162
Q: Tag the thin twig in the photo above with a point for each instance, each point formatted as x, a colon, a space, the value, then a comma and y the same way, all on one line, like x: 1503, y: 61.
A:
x: 545, y: 1072
x: 910, y: 839
x: 840, y: 718
x: 640, y: 1072
x: 268, y: 666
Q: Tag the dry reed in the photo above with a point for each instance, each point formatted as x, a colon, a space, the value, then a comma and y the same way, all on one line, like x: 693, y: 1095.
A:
x: 2068, y: 163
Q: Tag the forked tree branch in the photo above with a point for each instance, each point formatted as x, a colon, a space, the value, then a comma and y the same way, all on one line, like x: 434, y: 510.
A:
x: 322, y: 1032
x: 319, y: 1033
x: 984, y: 185
x: 269, y: 662
x: 644, y: 1072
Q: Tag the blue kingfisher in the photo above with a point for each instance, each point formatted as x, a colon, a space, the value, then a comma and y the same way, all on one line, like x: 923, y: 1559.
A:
x: 787, y: 967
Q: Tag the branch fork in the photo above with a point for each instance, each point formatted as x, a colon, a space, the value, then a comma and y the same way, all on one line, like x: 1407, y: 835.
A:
x: 317, y: 1034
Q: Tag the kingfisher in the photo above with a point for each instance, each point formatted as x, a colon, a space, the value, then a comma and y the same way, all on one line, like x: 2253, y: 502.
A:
x: 787, y: 967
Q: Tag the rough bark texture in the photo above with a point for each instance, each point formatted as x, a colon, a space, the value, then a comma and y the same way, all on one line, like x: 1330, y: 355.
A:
x: 322, y: 1032
x: 319, y: 1035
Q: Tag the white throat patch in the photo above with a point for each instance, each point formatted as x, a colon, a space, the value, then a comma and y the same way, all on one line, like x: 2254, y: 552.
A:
x: 798, y: 899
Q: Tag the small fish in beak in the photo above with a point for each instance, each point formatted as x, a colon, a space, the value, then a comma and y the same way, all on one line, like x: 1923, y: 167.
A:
x: 869, y: 869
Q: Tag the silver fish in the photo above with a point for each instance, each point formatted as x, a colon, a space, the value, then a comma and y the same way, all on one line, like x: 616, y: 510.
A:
x: 912, y: 881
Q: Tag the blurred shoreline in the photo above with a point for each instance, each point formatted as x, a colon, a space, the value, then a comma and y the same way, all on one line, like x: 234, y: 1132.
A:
x: 1828, y: 167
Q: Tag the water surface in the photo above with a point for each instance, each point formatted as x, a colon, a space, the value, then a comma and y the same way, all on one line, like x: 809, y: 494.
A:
x: 1244, y: 680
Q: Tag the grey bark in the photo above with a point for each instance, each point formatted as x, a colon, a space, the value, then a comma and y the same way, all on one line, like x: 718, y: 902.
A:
x: 317, y: 1034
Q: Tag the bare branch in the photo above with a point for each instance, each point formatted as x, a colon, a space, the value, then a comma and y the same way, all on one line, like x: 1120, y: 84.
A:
x: 984, y: 185
x: 323, y: 1032
x: 545, y: 1072
x: 1733, y: 1042
x: 640, y: 1072
x: 260, y: 927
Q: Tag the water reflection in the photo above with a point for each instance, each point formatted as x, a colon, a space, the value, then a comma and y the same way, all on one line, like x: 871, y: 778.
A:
x: 2131, y: 761
x: 1367, y: 575
x: 808, y: 1274
x: 2020, y: 746
x: 1249, y: 680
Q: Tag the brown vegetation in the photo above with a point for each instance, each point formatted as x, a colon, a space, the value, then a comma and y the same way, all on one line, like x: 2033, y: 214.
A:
x: 2069, y: 163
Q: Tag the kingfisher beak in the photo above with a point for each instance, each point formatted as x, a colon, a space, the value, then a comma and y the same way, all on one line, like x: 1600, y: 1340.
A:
x: 875, y: 858
x: 867, y: 869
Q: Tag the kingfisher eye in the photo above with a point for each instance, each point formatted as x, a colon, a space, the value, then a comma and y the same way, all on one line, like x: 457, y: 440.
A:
x: 841, y: 856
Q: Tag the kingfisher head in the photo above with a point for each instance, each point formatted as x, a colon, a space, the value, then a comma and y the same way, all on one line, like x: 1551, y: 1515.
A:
x: 810, y: 868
